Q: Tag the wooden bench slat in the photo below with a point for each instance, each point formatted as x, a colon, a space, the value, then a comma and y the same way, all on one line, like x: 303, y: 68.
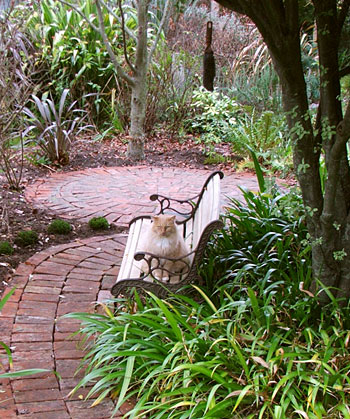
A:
x: 196, y: 230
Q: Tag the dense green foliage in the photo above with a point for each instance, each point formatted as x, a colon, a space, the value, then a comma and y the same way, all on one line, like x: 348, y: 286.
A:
x: 98, y: 223
x: 6, y: 248
x: 26, y: 238
x: 59, y: 227
x: 254, y: 344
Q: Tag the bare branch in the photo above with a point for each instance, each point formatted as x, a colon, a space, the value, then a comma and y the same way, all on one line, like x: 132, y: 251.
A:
x: 342, y: 15
x: 101, y: 30
x: 124, y: 38
x: 94, y: 27
x: 160, y: 29
x: 336, y: 153
x: 107, y: 44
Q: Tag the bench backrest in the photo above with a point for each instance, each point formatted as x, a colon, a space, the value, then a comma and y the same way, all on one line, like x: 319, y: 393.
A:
x: 206, y: 210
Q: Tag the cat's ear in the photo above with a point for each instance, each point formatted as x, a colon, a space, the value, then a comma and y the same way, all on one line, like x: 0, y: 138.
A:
x: 154, y: 218
x: 172, y: 218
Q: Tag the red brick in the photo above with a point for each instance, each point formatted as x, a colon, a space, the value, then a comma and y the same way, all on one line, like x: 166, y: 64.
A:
x: 37, y: 396
x: 35, y: 383
x: 32, y: 337
x: 96, y: 266
x: 69, y: 354
x: 29, y: 364
x: 40, y: 297
x: 48, y: 267
x: 30, y: 328
x: 47, y: 277
x: 15, y: 297
x: 64, y: 261
x: 9, y: 310
x: 49, y: 284
x: 43, y: 290
x: 103, y: 296
x: 19, y: 281
x: 67, y: 368
x: 34, y: 319
x: 38, y: 258
x: 114, y: 270
x: 78, y: 296
x: 108, y: 282
x: 78, y: 289
x: 24, y: 269
x: 82, y: 410
x: 56, y: 414
x: 6, y: 399
x: 47, y: 406
x: 84, y: 276
x: 72, y: 307
x: 89, y: 272
x: 35, y: 304
x: 32, y: 346
x: 62, y: 336
x: 69, y: 256
x: 68, y: 325
x: 45, y: 356
x: 36, y: 311
x: 8, y: 413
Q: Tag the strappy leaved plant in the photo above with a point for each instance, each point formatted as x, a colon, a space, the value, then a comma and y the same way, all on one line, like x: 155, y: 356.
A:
x: 54, y: 129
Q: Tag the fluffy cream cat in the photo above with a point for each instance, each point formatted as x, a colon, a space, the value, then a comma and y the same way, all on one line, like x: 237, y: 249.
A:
x: 164, y: 239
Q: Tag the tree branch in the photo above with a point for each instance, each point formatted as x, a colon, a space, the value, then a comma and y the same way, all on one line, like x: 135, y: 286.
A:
x: 342, y: 15
x: 336, y: 153
x: 160, y: 28
x: 344, y: 71
x: 102, y: 32
x: 124, y: 38
x: 95, y: 28
x: 111, y: 11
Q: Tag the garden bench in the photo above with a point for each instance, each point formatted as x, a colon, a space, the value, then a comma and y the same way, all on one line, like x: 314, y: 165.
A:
x: 197, y: 218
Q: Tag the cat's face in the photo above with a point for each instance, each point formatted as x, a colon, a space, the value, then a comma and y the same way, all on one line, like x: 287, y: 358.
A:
x: 164, y: 225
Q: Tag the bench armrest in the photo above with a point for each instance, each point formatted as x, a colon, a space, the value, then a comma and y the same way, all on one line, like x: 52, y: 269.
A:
x: 186, y: 208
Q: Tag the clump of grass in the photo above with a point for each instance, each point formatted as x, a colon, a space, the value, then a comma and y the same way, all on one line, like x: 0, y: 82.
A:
x: 26, y: 238
x: 98, y: 223
x: 59, y: 227
x: 6, y: 248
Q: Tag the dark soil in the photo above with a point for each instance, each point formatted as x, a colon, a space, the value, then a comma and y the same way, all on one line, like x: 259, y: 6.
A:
x: 16, y: 215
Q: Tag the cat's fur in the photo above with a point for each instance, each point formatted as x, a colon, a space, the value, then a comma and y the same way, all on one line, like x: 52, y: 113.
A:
x: 164, y: 239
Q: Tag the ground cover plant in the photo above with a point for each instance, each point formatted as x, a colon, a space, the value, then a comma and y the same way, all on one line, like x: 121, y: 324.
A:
x: 255, y: 343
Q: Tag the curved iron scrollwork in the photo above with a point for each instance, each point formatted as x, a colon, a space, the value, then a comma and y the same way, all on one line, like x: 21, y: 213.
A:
x: 150, y: 279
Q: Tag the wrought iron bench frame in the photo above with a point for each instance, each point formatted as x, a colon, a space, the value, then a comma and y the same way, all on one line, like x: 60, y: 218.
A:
x: 188, y: 210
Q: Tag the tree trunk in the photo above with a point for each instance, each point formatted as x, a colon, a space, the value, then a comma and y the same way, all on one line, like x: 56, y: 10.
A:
x: 137, y: 118
x: 328, y: 211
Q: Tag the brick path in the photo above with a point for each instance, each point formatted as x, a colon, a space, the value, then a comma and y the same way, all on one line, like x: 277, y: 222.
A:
x: 120, y: 193
x: 71, y: 277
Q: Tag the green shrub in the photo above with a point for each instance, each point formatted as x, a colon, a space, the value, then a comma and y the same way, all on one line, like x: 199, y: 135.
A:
x: 98, y: 223
x: 26, y: 238
x: 55, y: 127
x: 59, y: 227
x: 6, y: 248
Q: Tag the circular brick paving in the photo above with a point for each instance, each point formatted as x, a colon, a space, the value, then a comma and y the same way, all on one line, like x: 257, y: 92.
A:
x: 71, y: 277
x: 121, y: 193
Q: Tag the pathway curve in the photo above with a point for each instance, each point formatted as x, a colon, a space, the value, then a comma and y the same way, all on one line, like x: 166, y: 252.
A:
x: 120, y: 193
x: 71, y: 277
